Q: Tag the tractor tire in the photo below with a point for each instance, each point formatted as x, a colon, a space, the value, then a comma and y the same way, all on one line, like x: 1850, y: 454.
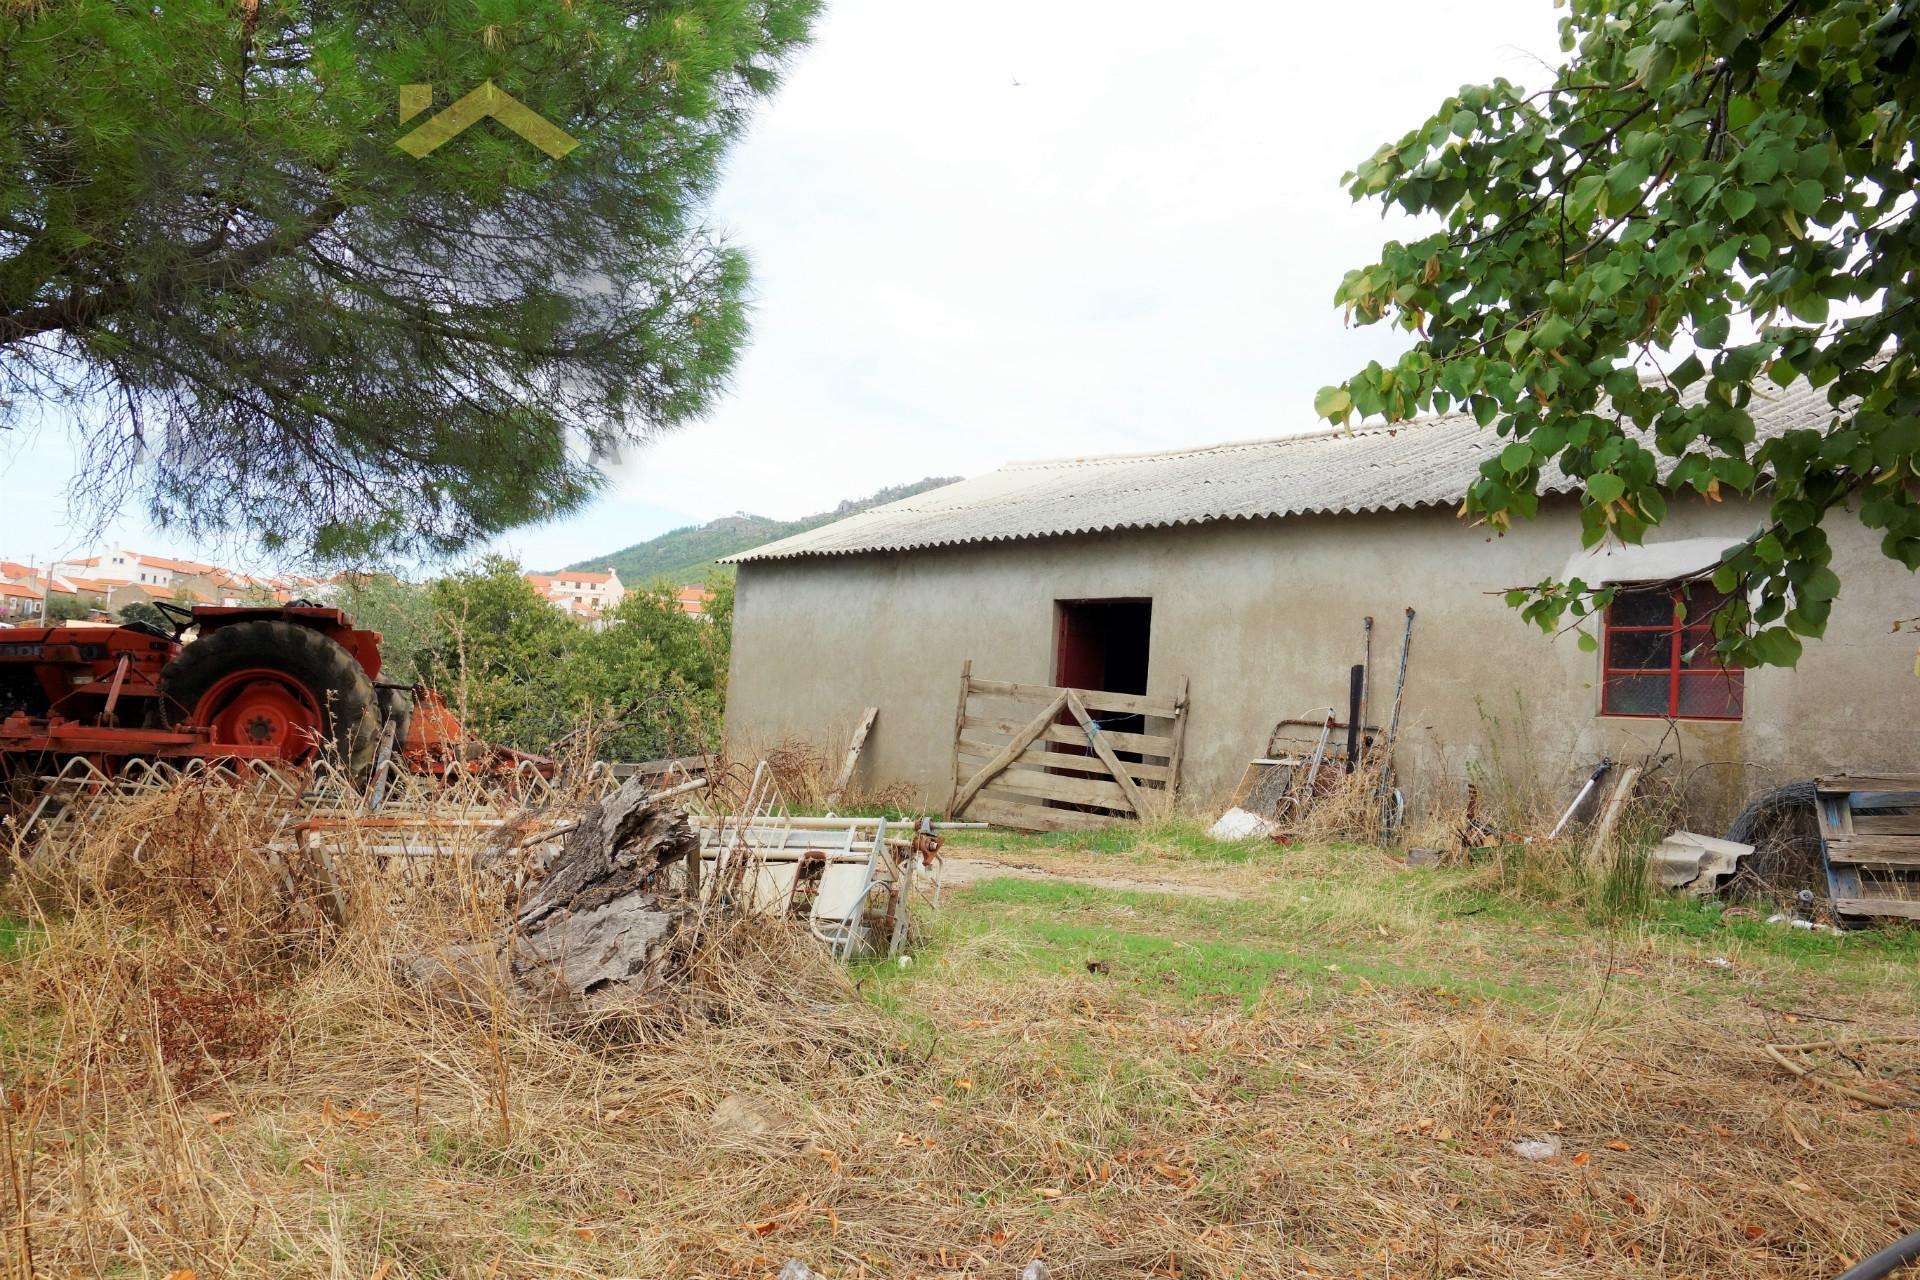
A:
x: 276, y: 683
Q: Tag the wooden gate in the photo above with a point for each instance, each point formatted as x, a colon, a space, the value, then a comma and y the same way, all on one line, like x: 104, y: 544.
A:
x: 1039, y: 758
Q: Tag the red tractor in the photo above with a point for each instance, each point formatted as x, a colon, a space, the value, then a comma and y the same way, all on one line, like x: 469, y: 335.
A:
x: 286, y: 683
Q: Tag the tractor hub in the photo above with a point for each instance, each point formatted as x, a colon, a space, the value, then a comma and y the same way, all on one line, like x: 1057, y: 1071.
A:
x: 260, y: 707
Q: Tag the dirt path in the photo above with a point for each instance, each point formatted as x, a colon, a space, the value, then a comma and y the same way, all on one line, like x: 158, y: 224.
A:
x: 961, y: 872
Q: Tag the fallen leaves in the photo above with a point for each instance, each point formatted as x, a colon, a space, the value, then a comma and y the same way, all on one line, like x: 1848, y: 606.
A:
x: 332, y: 1115
x: 1180, y: 1175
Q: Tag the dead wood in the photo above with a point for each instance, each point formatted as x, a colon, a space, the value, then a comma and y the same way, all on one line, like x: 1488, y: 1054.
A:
x: 598, y: 930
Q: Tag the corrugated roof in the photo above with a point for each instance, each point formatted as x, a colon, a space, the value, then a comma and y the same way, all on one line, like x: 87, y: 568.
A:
x: 1430, y: 462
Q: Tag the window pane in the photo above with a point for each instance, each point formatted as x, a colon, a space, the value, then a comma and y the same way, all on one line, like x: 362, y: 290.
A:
x: 1716, y: 694
x: 1635, y: 695
x: 1696, y: 649
x: 1641, y: 609
x: 1702, y: 601
x: 1639, y: 650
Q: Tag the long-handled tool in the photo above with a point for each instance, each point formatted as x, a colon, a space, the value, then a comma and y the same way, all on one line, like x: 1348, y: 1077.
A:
x: 1599, y: 772
x: 1399, y: 695
x: 1366, y: 676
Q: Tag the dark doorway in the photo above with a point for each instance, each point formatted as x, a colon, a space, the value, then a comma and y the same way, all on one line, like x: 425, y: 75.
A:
x: 1102, y: 644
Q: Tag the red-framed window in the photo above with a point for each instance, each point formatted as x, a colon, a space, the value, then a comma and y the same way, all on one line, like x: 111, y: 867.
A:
x: 1660, y: 665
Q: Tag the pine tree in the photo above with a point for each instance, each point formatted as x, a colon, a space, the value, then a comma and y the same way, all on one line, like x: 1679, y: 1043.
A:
x: 270, y: 320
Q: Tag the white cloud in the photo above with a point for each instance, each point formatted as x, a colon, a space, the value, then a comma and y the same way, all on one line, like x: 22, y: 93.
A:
x: 1134, y: 247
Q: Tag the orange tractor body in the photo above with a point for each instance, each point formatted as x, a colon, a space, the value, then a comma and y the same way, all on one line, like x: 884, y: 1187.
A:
x: 287, y: 684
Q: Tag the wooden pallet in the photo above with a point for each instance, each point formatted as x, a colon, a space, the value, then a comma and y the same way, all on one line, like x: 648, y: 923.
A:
x: 1870, y: 838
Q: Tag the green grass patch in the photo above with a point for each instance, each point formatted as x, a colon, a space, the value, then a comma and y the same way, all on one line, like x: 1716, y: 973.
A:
x: 1199, y: 950
x: 16, y: 936
x: 1176, y: 839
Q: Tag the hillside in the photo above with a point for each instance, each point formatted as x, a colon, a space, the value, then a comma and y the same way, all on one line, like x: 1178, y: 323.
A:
x: 686, y: 555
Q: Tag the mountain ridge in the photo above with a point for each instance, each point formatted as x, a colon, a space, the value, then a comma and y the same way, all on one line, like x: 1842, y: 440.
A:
x: 688, y: 554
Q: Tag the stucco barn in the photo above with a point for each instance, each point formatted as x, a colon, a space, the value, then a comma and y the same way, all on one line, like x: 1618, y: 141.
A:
x: 1228, y: 585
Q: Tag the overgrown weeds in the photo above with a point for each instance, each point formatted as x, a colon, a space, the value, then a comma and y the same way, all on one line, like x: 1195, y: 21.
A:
x: 1324, y: 1077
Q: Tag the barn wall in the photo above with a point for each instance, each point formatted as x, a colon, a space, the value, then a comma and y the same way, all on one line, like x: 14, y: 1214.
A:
x: 1264, y: 619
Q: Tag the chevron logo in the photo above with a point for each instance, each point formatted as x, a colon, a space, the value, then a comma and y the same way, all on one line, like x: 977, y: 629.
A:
x: 488, y: 99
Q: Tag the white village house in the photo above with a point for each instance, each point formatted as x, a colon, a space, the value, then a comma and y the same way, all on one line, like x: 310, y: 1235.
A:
x: 580, y: 593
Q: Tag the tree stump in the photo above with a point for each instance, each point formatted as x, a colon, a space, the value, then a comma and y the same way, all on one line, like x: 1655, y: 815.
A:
x: 595, y: 931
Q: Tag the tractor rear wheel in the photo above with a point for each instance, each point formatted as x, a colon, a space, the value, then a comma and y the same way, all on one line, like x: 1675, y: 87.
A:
x: 273, y: 683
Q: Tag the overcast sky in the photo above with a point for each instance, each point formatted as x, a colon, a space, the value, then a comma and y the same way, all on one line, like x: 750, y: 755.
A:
x: 1006, y: 229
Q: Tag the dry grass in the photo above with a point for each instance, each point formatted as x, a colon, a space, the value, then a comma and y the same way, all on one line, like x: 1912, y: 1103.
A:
x: 202, y: 1073
x: 804, y: 771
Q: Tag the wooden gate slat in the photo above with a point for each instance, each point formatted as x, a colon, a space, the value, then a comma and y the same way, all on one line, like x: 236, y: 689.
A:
x: 1146, y: 744
x: 1021, y: 741
x: 1036, y: 758
x: 1033, y: 817
x: 1105, y: 752
x: 1041, y: 785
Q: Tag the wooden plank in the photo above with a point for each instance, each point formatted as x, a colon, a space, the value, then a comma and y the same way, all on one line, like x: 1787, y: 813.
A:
x: 1009, y: 753
x: 1146, y: 744
x: 1031, y: 817
x: 1898, y: 907
x: 959, y: 723
x: 1883, y: 851
x: 1602, y: 838
x: 845, y: 779
x: 693, y: 765
x: 1885, y: 799
x: 1041, y: 785
x: 1179, y: 738
x: 1835, y: 817
x: 1034, y: 757
x: 1123, y: 704
x: 1885, y: 824
x: 1135, y: 801
x: 1868, y: 782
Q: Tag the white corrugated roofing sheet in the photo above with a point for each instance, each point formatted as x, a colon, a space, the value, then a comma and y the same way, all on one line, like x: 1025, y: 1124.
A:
x: 1424, y: 463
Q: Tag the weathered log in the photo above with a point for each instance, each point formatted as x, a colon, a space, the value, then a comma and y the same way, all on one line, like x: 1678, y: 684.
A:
x: 597, y: 930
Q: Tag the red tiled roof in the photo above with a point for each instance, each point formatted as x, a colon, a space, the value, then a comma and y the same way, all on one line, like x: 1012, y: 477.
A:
x: 171, y: 565
x: 18, y: 592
